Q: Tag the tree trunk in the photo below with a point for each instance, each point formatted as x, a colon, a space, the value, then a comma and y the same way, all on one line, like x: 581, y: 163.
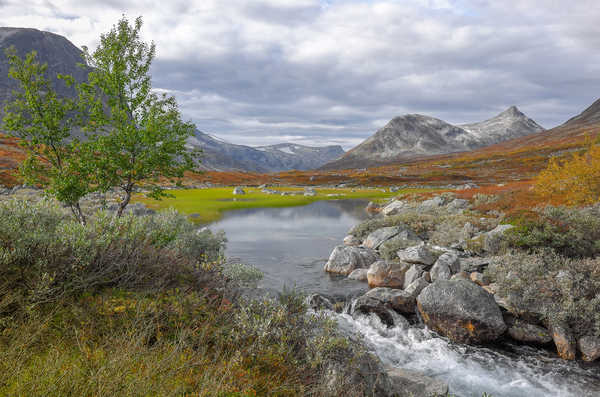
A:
x: 124, y: 203
x: 78, y: 213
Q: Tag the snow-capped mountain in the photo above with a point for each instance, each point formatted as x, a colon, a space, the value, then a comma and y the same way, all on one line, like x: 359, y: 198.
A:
x: 416, y: 135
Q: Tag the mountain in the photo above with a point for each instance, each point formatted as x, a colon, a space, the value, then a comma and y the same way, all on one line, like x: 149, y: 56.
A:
x: 511, y: 123
x: 58, y: 52
x: 62, y: 57
x: 415, y: 135
x: 223, y: 156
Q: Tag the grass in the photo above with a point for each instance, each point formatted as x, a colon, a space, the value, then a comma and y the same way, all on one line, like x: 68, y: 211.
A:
x: 209, y: 204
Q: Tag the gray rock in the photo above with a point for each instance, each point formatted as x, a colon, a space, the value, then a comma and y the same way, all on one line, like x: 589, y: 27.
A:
x: 435, y: 202
x: 352, y: 241
x: 394, y: 208
x: 343, y: 259
x: 384, y: 274
x: 529, y: 333
x: 461, y: 311
x: 479, y: 279
x: 380, y: 236
x: 450, y: 260
x: 440, y: 271
x: 413, y: 273
x: 589, y: 347
x: 420, y: 254
x: 457, y: 205
x: 372, y: 207
x: 493, y: 240
x: 238, y: 191
x: 396, y: 299
x: 414, y: 384
x: 367, y: 304
x: 415, y: 288
x: 319, y: 302
x: 359, y: 274
x: 461, y: 276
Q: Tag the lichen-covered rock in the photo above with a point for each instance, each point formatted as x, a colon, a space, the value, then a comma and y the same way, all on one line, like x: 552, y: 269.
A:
x: 564, y: 341
x: 396, y: 299
x: 415, y: 288
x: 492, y: 241
x: 384, y: 274
x: 440, y: 271
x: 319, y: 302
x: 589, y: 347
x: 393, y: 208
x: 462, y: 311
x: 479, y: 279
x: 420, y: 254
x: 352, y: 241
x: 359, y: 274
x: 413, y: 273
x: 414, y: 384
x: 401, y: 232
x: 529, y: 333
x: 344, y: 259
x: 451, y: 260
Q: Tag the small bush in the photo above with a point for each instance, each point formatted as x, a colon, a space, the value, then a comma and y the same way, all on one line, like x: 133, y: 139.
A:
x: 560, y: 289
x: 569, y: 231
x: 45, y: 255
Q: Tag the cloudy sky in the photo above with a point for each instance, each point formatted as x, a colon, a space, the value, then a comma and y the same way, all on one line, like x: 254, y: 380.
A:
x: 334, y: 71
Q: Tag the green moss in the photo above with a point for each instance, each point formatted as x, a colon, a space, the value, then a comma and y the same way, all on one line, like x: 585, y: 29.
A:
x: 209, y: 204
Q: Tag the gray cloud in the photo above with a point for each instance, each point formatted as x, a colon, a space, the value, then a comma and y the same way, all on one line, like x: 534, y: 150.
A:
x: 267, y: 71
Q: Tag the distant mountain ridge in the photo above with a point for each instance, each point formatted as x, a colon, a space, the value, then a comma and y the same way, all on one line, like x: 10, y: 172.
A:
x: 219, y: 155
x: 415, y: 135
x: 62, y: 57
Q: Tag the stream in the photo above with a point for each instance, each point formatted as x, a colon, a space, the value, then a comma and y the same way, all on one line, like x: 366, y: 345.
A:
x: 291, y: 245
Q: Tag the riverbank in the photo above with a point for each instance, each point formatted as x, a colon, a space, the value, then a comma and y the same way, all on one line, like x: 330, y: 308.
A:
x: 209, y: 204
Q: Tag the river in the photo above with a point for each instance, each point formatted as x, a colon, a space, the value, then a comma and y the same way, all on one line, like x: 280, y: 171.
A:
x: 291, y: 245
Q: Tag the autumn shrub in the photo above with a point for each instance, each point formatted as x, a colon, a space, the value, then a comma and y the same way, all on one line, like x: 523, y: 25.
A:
x: 571, y: 232
x: 574, y: 181
x: 558, y: 289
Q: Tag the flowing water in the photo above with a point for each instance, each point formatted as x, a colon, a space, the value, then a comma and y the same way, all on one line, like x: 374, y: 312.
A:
x: 291, y: 245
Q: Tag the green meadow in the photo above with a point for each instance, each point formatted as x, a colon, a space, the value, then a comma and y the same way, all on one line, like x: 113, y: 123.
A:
x: 207, y: 205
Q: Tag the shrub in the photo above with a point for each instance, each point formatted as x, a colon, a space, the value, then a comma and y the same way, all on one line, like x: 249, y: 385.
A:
x: 575, y: 181
x: 570, y: 232
x: 45, y: 255
x: 560, y: 289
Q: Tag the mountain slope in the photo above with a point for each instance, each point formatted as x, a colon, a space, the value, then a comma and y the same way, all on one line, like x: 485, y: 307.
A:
x: 416, y: 135
x: 58, y: 52
x: 222, y: 156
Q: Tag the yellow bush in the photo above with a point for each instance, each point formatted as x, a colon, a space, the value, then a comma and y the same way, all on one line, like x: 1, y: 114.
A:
x: 575, y: 181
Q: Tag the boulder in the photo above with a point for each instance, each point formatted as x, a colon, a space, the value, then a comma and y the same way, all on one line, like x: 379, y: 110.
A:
x: 457, y: 205
x: 414, y: 384
x: 479, y: 279
x: 344, y: 259
x: 460, y: 276
x: 415, y: 288
x: 451, y: 260
x: 461, y: 311
x: 380, y: 236
x: 394, y: 208
x: 359, y: 274
x: 435, y: 202
x: 238, y: 191
x: 396, y: 299
x: 366, y: 304
x: 564, y: 341
x: 492, y: 241
x: 420, y: 254
x: 352, y: 241
x: 440, y: 271
x: 373, y: 207
x: 529, y: 333
x: 589, y: 347
x: 319, y: 302
x: 413, y: 273
x: 384, y: 274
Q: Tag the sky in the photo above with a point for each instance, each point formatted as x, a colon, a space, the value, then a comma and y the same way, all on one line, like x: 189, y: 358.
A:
x: 320, y: 72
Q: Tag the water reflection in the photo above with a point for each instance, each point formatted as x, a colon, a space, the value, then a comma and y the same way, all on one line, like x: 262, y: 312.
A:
x: 291, y: 245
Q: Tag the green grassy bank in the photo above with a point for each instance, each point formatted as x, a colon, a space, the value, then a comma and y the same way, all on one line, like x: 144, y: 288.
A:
x: 209, y: 204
